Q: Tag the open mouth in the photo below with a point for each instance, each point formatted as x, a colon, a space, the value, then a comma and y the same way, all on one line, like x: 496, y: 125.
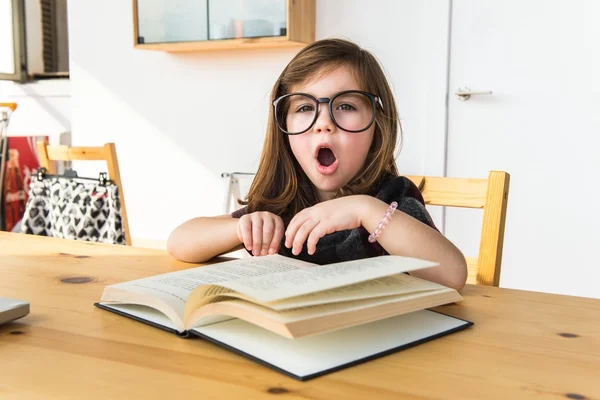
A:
x: 327, y: 162
x: 325, y: 156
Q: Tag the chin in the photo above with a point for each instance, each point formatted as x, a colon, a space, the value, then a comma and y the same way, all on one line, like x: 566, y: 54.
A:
x: 327, y: 185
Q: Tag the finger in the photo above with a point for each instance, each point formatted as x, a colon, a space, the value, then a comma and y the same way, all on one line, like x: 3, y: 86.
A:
x: 245, y: 227
x: 267, y: 234
x: 257, y: 225
x: 313, y: 238
x: 277, y: 236
x: 302, y: 234
x: 293, y: 227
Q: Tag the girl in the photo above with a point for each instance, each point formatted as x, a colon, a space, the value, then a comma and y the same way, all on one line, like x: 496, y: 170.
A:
x: 327, y: 181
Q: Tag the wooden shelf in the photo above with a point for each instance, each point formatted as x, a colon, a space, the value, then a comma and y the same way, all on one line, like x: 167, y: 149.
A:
x: 226, y: 44
x: 300, y: 17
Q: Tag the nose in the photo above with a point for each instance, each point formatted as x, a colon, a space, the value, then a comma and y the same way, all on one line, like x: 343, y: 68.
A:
x: 324, y: 123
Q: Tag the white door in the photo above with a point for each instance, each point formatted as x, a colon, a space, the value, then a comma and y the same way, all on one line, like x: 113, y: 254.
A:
x: 541, y: 60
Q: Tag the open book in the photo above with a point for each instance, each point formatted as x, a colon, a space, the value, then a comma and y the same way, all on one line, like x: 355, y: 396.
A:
x: 279, y: 298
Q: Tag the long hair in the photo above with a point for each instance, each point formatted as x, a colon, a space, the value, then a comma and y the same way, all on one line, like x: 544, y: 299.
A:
x: 280, y: 185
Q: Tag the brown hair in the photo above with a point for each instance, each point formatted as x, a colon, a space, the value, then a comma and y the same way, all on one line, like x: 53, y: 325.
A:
x: 280, y: 185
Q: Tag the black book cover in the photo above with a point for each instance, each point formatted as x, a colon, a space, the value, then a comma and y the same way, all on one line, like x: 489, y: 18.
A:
x: 193, y: 333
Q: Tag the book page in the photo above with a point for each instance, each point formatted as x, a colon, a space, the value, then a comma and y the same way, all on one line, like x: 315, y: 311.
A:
x: 174, y: 288
x: 386, y: 286
x: 304, y: 313
x: 154, y: 316
x: 146, y: 313
x: 301, y: 281
x: 306, y: 321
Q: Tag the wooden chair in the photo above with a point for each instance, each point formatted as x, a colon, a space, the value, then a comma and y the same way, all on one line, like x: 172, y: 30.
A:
x: 491, y: 194
x: 106, y: 153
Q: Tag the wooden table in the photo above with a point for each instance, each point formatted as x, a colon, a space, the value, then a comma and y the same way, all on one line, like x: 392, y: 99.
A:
x: 523, y: 344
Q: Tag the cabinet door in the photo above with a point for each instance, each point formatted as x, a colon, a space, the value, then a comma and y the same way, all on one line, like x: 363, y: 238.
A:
x: 232, y: 19
x: 168, y: 21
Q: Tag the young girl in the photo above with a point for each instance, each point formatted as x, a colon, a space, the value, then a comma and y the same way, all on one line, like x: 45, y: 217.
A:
x: 327, y: 177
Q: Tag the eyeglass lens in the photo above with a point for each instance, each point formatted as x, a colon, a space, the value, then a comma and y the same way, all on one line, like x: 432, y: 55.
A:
x: 351, y: 111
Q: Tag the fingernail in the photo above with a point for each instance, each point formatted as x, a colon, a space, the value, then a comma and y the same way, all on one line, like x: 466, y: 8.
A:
x: 263, y: 253
x: 271, y: 251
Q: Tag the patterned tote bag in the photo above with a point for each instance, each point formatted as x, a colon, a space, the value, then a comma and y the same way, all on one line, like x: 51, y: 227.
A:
x: 72, y: 209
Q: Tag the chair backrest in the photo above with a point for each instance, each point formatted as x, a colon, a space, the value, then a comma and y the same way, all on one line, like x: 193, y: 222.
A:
x: 234, y: 191
x: 491, y: 194
x: 107, y: 153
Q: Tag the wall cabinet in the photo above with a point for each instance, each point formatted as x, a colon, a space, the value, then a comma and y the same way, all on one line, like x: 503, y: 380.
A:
x: 196, y: 25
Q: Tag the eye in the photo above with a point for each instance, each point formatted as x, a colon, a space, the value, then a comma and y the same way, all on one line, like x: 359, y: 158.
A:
x: 346, y: 107
x: 305, y: 108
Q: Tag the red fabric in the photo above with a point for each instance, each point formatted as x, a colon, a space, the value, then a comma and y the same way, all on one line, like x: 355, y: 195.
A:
x: 21, y: 161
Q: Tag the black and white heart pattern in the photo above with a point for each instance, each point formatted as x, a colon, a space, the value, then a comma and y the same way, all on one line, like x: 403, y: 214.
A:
x: 71, y: 209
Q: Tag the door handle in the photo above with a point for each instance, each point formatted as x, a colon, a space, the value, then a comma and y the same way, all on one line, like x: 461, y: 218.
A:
x: 465, y: 93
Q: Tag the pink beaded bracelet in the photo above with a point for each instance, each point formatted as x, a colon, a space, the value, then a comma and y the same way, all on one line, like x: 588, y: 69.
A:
x: 388, y: 215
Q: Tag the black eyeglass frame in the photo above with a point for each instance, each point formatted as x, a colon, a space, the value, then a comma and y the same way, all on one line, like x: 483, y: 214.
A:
x: 374, y: 101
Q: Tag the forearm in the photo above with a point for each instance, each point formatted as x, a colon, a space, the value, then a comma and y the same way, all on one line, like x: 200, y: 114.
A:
x: 203, y: 238
x: 407, y: 236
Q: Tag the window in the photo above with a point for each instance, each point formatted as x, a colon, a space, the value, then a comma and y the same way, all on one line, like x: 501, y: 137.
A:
x: 33, y: 40
x: 12, y: 43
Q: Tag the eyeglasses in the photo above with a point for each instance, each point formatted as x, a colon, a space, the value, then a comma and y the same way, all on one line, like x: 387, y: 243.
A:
x: 350, y: 110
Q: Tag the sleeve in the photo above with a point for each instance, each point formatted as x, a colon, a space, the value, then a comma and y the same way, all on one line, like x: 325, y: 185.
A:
x: 410, y: 200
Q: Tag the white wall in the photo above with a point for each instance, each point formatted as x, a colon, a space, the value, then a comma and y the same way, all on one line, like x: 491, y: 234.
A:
x: 44, y: 107
x: 179, y: 120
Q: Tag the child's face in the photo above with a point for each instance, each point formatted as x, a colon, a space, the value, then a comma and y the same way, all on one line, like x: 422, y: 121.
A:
x: 330, y: 170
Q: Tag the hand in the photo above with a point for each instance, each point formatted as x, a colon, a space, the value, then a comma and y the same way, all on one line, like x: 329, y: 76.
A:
x: 261, y: 232
x: 312, y: 223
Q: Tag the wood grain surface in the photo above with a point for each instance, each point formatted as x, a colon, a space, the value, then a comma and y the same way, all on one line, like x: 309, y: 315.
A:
x: 523, y: 344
